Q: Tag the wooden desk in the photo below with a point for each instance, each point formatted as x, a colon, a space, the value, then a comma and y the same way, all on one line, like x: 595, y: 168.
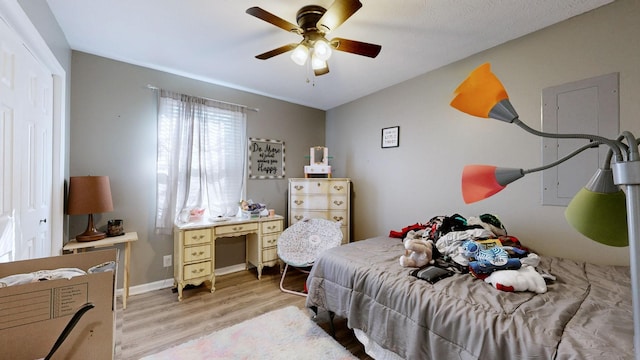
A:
x: 195, y: 247
x: 127, y: 238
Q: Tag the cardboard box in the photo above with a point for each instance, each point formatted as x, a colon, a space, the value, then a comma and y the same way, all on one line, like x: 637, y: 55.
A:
x: 33, y: 315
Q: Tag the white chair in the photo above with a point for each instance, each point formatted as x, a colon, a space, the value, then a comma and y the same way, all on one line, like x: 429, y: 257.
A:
x: 300, y: 245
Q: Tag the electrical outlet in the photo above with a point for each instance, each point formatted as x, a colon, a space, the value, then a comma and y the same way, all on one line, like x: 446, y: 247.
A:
x: 166, y: 260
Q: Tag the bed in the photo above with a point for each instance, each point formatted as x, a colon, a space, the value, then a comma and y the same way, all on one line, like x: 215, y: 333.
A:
x: 586, y: 312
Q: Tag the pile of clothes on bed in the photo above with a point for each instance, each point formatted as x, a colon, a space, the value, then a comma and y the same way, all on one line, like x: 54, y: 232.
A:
x: 479, y: 246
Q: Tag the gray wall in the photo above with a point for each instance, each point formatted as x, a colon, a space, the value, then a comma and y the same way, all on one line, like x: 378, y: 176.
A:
x: 420, y: 179
x: 113, y: 132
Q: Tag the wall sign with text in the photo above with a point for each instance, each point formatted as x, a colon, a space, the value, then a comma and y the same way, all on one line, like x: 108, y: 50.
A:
x: 391, y: 137
x: 266, y: 159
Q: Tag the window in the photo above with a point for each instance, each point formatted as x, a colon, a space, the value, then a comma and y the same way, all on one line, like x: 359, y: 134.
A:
x: 201, y: 158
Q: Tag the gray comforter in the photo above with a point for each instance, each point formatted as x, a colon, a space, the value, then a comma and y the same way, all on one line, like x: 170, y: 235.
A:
x: 585, y: 314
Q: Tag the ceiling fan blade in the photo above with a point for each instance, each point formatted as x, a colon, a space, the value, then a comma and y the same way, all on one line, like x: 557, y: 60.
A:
x: 338, y: 13
x: 278, y: 51
x: 273, y: 19
x: 356, y: 47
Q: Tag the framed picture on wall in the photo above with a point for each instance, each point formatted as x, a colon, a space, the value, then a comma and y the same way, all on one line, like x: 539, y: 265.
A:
x: 266, y: 159
x: 391, y: 137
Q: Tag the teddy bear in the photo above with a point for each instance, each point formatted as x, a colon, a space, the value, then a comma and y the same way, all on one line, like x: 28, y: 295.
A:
x: 418, y: 251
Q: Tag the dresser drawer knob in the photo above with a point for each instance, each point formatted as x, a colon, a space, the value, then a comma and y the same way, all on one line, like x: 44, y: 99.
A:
x: 298, y: 217
x: 197, y: 253
x: 195, y: 271
x: 338, y: 218
x: 298, y: 187
x: 237, y: 228
x: 338, y: 202
x: 299, y: 202
x: 338, y: 187
x: 271, y: 227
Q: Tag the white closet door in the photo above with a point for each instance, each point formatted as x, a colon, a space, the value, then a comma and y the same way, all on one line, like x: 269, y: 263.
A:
x: 26, y: 123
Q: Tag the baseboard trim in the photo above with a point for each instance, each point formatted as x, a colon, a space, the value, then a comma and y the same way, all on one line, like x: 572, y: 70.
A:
x: 168, y: 283
x: 231, y: 269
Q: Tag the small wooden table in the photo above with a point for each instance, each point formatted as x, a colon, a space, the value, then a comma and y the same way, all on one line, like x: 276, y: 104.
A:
x: 127, y: 238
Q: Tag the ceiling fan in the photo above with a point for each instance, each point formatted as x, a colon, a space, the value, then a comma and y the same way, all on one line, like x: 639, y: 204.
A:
x: 314, y: 23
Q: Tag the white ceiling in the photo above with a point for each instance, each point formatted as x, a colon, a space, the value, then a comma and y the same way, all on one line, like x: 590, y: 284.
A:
x: 216, y: 41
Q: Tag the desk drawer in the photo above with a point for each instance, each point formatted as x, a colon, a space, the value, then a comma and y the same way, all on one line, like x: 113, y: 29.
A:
x: 269, y: 227
x: 199, y: 236
x: 269, y: 254
x: 197, y: 253
x: 270, y: 240
x: 237, y: 228
x: 193, y: 271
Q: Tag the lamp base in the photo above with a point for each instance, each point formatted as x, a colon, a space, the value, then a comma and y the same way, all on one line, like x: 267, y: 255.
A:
x: 91, y: 233
x: 90, y: 236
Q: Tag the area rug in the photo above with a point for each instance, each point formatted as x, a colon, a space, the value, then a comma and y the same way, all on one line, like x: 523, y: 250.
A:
x: 287, y: 333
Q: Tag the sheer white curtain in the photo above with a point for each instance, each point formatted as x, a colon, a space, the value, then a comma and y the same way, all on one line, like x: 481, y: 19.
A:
x: 202, y: 153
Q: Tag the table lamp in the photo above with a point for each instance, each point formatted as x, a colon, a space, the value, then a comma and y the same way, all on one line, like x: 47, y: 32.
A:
x: 89, y: 195
x: 601, y: 211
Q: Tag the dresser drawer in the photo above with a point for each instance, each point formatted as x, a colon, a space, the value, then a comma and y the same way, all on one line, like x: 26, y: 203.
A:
x: 299, y: 214
x: 345, y: 234
x: 338, y: 187
x: 197, y: 253
x: 338, y: 202
x: 197, y: 270
x: 269, y: 254
x: 338, y: 215
x: 309, y: 187
x: 309, y: 202
x: 271, y: 226
x: 193, y: 237
x: 237, y: 228
x: 270, y: 240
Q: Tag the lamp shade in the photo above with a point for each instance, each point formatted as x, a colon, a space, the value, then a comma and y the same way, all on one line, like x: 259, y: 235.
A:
x: 300, y: 54
x: 482, y: 181
x: 599, y: 212
x: 482, y: 94
x: 322, y: 50
x: 319, y: 66
x: 89, y: 195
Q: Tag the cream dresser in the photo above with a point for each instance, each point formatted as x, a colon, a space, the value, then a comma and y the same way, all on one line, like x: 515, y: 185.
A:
x: 325, y: 198
x: 194, y: 247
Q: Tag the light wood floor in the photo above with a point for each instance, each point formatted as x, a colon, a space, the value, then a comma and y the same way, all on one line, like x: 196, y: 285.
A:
x: 155, y: 320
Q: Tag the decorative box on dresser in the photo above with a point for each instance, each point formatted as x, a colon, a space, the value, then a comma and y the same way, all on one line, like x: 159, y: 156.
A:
x: 194, y: 247
x: 325, y: 198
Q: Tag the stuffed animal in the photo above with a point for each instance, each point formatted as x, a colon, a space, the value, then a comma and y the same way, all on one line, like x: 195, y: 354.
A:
x: 495, y: 255
x: 418, y: 251
x: 524, y: 279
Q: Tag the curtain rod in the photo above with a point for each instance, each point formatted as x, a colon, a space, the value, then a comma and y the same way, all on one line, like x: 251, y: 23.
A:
x: 224, y: 102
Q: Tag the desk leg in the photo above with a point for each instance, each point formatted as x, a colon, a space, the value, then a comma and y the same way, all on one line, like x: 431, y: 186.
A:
x: 259, y: 269
x: 125, y: 288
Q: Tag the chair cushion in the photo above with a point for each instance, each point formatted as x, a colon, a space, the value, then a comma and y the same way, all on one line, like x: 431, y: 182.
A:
x: 300, y: 244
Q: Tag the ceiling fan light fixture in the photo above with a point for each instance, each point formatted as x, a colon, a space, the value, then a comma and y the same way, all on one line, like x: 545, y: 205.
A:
x: 314, y: 22
x: 317, y: 63
x: 300, y: 55
x: 322, y: 49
